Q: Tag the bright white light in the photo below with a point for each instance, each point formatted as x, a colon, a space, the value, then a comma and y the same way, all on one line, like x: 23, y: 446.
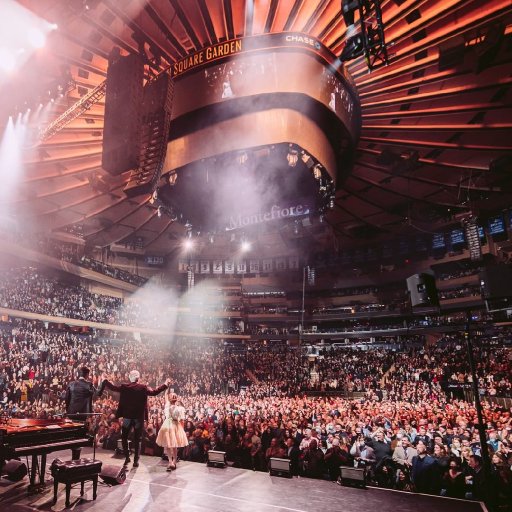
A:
x: 36, y: 38
x: 188, y: 244
x: 246, y: 246
x: 11, y: 166
x: 7, y: 60
x: 54, y: 26
x: 21, y: 32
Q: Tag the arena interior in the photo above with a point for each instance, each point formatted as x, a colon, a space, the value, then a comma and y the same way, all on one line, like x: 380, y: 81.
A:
x: 298, y: 211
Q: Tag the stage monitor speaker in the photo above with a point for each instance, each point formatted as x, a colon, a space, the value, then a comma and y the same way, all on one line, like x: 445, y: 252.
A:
x: 280, y: 467
x: 496, y: 281
x: 216, y: 459
x: 113, y: 475
x: 352, y: 476
x: 123, y: 113
x: 14, y: 470
x: 423, y: 291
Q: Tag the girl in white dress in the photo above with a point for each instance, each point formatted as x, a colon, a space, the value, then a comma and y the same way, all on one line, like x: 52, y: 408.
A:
x: 172, y: 435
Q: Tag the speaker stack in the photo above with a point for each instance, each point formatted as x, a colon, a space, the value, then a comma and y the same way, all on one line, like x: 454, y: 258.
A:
x: 123, y: 104
x: 422, y: 290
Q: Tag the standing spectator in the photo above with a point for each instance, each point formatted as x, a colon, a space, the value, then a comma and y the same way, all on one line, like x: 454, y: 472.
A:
x: 422, y: 469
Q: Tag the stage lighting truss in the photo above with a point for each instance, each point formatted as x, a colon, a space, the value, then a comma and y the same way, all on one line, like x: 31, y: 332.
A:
x: 369, y: 39
x: 76, y: 110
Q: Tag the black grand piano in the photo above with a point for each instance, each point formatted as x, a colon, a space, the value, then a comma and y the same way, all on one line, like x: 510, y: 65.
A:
x: 37, y: 438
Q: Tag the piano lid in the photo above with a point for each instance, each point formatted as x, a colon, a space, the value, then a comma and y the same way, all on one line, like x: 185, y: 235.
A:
x: 32, y: 424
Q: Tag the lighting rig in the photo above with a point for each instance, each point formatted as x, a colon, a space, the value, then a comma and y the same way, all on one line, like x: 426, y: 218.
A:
x: 366, y: 35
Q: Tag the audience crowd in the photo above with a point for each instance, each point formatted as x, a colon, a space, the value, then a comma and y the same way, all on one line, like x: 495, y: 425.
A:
x: 404, y: 414
x: 73, y: 253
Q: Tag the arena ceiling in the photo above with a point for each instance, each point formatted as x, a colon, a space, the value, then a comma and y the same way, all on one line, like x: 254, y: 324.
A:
x: 436, y: 140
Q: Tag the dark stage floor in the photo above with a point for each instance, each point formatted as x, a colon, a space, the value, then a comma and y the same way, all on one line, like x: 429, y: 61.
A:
x: 194, y: 487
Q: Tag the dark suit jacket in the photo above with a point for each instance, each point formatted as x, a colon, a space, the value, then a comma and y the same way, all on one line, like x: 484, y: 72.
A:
x: 422, y: 473
x: 79, y: 397
x: 293, y: 454
x: 133, y: 400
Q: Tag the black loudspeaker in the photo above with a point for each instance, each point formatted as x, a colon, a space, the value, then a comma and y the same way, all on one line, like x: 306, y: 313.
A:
x: 123, y: 108
x: 496, y: 281
x: 280, y: 467
x: 14, y: 470
x: 154, y: 136
x: 113, y: 475
x: 216, y: 459
x: 423, y: 291
x: 352, y: 477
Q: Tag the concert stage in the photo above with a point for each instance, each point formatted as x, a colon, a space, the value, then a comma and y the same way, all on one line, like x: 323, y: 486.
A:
x: 195, y: 487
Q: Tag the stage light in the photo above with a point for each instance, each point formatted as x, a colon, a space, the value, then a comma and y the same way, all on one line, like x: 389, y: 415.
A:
x: 36, y: 38
x: 54, y: 26
x: 7, y: 60
x: 246, y: 246
x: 353, y: 48
x: 348, y: 8
x: 242, y: 157
x: 292, y: 156
x: 188, y: 244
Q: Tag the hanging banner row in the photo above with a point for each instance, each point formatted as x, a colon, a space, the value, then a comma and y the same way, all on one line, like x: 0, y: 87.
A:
x: 251, y: 266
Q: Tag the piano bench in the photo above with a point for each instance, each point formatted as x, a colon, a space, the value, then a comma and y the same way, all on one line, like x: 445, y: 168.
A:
x: 70, y: 472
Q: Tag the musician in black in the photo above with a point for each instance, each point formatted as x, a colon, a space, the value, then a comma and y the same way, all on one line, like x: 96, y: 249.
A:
x: 79, y: 395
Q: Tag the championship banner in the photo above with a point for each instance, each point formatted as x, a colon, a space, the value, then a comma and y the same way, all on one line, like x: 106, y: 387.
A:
x: 280, y: 264
x: 254, y: 266
x: 241, y: 267
x: 205, y: 267
x: 267, y: 265
x: 217, y: 266
x: 229, y: 267
x: 293, y: 263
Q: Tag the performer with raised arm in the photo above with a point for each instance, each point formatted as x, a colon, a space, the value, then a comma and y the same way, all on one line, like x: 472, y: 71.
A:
x: 171, y: 435
x: 133, y: 408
